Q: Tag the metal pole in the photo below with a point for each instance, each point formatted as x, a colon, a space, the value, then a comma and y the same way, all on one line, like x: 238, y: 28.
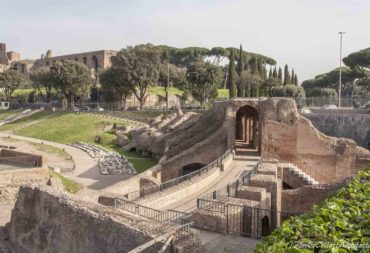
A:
x: 340, y: 69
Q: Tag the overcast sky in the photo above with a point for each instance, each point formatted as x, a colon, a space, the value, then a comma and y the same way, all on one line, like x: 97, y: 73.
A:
x: 301, y: 33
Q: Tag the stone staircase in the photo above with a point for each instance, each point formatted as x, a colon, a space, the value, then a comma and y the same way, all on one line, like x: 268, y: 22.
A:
x: 299, y: 173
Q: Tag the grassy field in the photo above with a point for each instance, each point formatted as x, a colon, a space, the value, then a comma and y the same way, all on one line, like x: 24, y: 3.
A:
x: 69, y: 185
x: 6, y: 113
x: 69, y: 127
x: 223, y: 93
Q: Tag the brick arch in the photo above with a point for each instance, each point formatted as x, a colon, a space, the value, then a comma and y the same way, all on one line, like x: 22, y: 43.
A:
x: 191, y: 167
x: 247, y: 127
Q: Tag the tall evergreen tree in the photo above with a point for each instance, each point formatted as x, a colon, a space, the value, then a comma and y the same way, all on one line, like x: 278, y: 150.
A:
x: 292, y: 77
x: 232, y: 86
x: 240, y: 61
x: 270, y: 73
x: 280, y: 76
x: 286, y: 75
x: 295, y: 79
x: 241, y: 89
x: 274, y: 73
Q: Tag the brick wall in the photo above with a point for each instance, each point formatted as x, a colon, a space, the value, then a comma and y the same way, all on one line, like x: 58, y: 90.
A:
x: 302, y: 199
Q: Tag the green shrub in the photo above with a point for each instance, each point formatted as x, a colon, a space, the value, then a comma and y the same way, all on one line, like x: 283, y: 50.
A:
x: 339, y: 224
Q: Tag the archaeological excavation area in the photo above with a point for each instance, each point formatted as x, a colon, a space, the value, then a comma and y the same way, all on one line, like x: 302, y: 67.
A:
x: 234, y: 172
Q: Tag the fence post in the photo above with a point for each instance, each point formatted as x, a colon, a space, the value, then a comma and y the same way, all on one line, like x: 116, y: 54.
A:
x: 214, y: 195
x: 198, y: 203
x: 228, y: 190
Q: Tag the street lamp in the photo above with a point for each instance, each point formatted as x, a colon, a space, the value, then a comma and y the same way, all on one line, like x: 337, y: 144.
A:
x: 340, y: 68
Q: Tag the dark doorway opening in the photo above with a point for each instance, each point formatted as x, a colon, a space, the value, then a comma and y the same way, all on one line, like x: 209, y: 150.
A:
x: 191, y: 168
x: 247, y: 130
x: 266, y: 230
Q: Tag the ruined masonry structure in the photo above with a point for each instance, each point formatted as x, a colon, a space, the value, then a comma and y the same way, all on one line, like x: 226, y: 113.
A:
x: 273, y: 125
x: 95, y: 60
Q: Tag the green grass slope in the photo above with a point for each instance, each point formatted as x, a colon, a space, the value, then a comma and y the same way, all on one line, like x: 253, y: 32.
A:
x: 340, y: 224
x: 69, y: 127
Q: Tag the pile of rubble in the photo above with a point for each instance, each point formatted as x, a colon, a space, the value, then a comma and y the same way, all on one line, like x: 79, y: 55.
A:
x: 110, y: 163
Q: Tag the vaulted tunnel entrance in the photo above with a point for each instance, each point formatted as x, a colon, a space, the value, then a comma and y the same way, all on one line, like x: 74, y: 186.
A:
x: 247, y: 132
x: 187, y: 169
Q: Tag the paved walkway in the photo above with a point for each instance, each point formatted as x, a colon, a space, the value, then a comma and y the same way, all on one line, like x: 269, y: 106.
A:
x: 221, y: 243
x: 86, y: 171
x: 244, y: 160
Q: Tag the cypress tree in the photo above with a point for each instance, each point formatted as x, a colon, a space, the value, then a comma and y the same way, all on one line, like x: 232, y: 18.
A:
x: 232, y: 86
x: 274, y: 73
x: 240, y: 61
x: 241, y: 91
x: 270, y: 73
x: 292, y: 77
x: 280, y: 76
x: 286, y: 75
x: 295, y: 79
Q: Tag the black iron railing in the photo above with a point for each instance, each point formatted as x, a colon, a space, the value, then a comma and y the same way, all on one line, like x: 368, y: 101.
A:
x: 176, y: 181
x: 168, y: 216
x: 231, y: 189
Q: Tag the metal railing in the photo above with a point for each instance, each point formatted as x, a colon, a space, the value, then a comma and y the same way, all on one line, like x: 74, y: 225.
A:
x: 168, y: 216
x: 231, y: 189
x: 176, y: 181
x: 211, y: 205
x: 19, y: 162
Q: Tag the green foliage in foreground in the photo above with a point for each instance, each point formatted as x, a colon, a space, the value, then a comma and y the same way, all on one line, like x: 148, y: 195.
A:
x: 339, y: 224
x: 69, y: 185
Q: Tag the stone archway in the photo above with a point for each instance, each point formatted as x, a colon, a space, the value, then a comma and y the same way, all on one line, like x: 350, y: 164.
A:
x: 192, y: 167
x: 247, y: 128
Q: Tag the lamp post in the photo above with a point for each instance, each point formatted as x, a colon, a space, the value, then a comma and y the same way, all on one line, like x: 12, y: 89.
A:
x: 340, y: 69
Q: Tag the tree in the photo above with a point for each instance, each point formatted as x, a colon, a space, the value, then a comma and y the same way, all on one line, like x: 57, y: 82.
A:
x: 240, y: 61
x: 292, y: 77
x: 331, y: 80
x: 10, y: 80
x: 286, y: 75
x: 241, y: 88
x: 170, y: 75
x: 72, y: 79
x: 360, y: 59
x: 140, y: 67
x: 270, y: 73
x: 274, y: 73
x: 231, y: 83
x: 280, y: 76
x: 296, y: 80
x: 43, y: 80
x: 204, y: 78
x: 114, y: 81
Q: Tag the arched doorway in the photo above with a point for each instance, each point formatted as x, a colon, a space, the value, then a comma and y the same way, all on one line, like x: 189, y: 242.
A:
x: 187, y: 169
x: 247, y: 129
x: 265, y: 230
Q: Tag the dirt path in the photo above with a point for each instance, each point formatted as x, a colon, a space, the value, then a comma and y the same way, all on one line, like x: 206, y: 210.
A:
x: 86, y: 171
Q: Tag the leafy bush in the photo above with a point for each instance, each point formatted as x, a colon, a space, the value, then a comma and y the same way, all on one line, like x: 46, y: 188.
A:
x: 321, y: 92
x: 339, y: 224
x: 289, y: 90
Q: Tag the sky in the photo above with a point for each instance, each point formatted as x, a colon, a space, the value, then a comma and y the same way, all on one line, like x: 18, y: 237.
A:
x: 300, y: 33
